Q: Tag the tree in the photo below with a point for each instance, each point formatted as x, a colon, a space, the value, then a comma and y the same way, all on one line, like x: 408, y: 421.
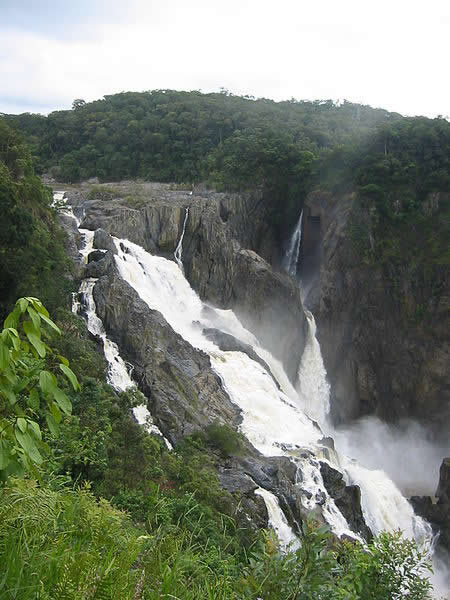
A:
x: 78, y: 103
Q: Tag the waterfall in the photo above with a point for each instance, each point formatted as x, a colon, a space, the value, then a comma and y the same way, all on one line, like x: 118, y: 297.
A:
x: 274, y: 416
x: 83, y: 303
x: 382, y: 504
x: 290, y: 260
x: 286, y: 537
x: 179, y: 249
x: 272, y: 419
x: 312, y: 385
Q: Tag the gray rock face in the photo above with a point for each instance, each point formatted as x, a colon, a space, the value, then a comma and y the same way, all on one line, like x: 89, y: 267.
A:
x: 269, y: 303
x: 218, y: 230
x: 184, y: 393
x: 73, y: 241
x: 378, y: 358
x: 103, y: 241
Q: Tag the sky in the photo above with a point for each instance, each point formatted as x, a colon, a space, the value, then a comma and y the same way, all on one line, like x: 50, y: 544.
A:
x: 391, y: 54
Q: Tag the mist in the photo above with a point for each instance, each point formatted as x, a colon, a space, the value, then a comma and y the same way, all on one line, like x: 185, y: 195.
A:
x: 407, y: 452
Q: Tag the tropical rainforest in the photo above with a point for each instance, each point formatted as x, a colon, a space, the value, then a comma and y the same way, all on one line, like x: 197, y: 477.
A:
x: 93, y: 506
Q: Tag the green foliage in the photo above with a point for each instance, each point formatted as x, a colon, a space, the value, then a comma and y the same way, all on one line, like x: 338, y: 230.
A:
x: 230, y: 141
x: 32, y: 257
x: 225, y: 439
x: 391, y: 567
x: 29, y: 387
x: 60, y: 543
x: 398, y: 180
x: 57, y: 545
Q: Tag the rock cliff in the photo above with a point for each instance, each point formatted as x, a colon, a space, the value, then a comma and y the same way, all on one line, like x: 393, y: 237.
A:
x: 228, y: 246
x: 384, y: 333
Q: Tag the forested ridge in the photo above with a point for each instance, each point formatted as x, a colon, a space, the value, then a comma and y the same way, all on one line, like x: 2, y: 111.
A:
x: 104, y: 510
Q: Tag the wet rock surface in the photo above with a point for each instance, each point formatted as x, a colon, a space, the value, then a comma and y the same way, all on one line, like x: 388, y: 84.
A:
x: 347, y: 499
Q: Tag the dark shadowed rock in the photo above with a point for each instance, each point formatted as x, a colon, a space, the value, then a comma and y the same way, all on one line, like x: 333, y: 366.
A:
x: 98, y: 268
x: 443, y: 489
x: 72, y: 242
x: 347, y: 498
x: 380, y: 357
x: 234, y: 481
x: 437, y: 513
x: 96, y: 255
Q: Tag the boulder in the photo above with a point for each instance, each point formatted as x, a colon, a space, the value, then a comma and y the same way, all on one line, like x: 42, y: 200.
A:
x: 103, y: 241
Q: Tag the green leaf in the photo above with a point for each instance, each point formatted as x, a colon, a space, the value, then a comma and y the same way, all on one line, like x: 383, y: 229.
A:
x: 63, y: 401
x: 35, y: 429
x: 5, y: 454
x: 70, y: 376
x: 50, y: 322
x: 22, y: 424
x: 13, y: 336
x: 37, y: 305
x: 7, y: 392
x: 34, y: 337
x: 12, y: 319
x: 4, y: 356
x: 27, y: 443
x: 52, y: 424
x: 47, y: 383
x: 22, y: 304
x: 57, y: 414
x: 33, y: 399
x: 34, y: 317
x: 64, y: 360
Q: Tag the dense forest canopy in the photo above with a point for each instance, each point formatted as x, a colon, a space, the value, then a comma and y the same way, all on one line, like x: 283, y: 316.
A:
x: 166, y: 135
x: 236, y: 142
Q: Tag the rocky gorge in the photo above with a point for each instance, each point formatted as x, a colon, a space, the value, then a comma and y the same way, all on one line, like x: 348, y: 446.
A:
x: 227, y: 254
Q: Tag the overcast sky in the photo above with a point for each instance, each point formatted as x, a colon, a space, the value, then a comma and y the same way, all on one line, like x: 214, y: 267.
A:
x: 392, y: 54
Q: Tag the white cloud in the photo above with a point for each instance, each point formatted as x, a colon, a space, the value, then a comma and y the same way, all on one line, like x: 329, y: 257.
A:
x: 390, y: 54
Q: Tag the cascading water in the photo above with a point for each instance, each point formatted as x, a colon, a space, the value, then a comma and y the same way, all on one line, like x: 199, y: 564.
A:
x: 286, y: 537
x: 179, y: 249
x: 312, y: 385
x: 383, y: 506
x: 273, y: 419
x: 290, y: 259
x: 83, y: 303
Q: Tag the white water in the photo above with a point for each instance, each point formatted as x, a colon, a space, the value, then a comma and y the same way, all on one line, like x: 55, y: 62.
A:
x: 290, y: 259
x: 272, y: 421
x: 286, y: 537
x: 118, y: 375
x: 383, y: 505
x: 312, y: 385
x: 178, y: 254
